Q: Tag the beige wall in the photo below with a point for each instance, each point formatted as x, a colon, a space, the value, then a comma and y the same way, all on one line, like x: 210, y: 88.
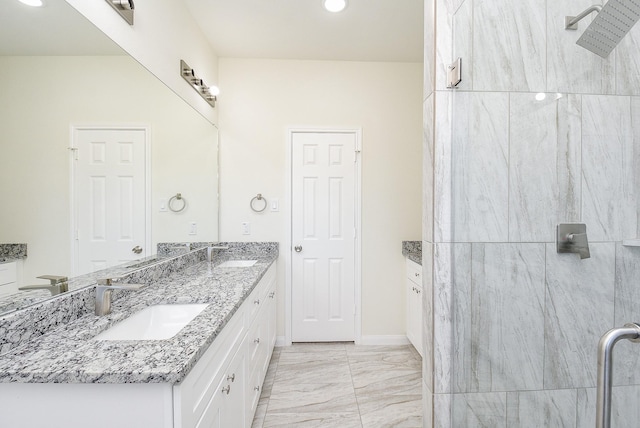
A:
x: 262, y: 98
x: 164, y: 32
x: 42, y: 97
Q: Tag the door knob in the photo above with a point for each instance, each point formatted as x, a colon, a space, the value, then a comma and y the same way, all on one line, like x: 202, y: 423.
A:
x: 137, y: 249
x: 298, y: 248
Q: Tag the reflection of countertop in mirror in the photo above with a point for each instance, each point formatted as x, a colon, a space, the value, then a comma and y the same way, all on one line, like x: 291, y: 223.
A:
x: 13, y: 252
x: 24, y: 299
x: 412, y: 250
x: 68, y: 355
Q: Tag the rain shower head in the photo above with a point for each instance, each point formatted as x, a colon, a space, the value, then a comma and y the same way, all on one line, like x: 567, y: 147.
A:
x: 611, y: 24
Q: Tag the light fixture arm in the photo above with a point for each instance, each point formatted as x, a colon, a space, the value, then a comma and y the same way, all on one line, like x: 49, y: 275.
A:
x: 209, y: 94
x: 124, y: 8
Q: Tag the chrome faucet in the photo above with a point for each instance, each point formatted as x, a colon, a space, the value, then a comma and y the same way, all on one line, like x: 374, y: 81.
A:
x: 210, y: 249
x: 103, y: 293
x: 57, y: 284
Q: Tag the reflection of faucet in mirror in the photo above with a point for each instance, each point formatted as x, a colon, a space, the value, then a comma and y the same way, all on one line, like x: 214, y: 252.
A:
x: 103, y: 293
x: 57, y: 284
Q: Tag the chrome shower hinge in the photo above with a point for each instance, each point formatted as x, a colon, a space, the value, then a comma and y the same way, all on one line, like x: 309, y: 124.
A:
x: 454, y: 73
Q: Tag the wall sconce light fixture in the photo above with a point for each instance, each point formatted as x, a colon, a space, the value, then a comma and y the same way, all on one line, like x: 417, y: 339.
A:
x: 124, y: 8
x: 210, y: 94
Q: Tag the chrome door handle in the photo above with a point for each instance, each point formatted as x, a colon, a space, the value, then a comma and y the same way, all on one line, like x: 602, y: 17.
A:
x: 298, y: 248
x: 137, y: 249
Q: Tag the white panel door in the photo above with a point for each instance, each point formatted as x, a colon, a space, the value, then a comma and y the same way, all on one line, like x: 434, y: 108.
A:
x: 323, y: 236
x: 110, y: 197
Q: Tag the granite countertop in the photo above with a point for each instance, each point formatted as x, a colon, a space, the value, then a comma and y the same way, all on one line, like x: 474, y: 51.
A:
x: 68, y: 354
x: 413, y: 251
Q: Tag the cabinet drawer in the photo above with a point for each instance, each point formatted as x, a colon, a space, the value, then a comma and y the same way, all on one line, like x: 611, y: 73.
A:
x: 8, y: 273
x: 259, y: 296
x: 414, y: 272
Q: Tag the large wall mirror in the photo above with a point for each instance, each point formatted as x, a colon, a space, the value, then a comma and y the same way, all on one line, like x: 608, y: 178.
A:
x: 59, y: 73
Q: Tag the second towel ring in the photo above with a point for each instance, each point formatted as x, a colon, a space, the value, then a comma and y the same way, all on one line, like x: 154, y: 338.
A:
x: 178, y: 197
x: 258, y: 198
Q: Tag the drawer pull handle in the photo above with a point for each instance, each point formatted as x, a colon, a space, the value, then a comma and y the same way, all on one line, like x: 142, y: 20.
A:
x: 257, y: 302
x: 417, y: 274
x: 273, y: 293
x: 257, y: 388
x: 257, y: 341
x: 232, y: 377
x: 226, y: 389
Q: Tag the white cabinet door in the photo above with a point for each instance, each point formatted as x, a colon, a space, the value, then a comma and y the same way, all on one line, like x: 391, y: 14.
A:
x: 410, y: 311
x: 233, y: 393
x: 226, y: 407
x: 414, y: 304
x: 8, y: 279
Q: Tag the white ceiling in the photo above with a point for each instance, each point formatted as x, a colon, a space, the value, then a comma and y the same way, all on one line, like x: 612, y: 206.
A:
x: 367, y: 30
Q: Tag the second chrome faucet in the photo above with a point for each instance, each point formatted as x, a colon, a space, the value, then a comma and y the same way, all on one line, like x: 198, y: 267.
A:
x: 103, y: 293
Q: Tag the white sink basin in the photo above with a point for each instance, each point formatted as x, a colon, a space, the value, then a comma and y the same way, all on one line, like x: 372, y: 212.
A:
x: 157, y: 322
x: 237, y: 263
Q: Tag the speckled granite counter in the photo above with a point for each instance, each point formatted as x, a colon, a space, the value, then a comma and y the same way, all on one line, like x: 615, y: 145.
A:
x: 68, y: 354
x: 412, y: 250
x: 13, y: 251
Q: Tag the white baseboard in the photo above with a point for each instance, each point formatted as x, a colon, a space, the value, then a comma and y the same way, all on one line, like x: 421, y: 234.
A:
x: 390, y: 340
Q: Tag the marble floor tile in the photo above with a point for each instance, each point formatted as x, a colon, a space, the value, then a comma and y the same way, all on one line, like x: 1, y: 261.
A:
x: 308, y: 420
x: 269, y: 378
x: 261, y: 412
x: 384, y: 382
x: 312, y: 368
x: 313, y: 398
x: 379, y: 411
x: 342, y: 385
x: 311, y: 357
x: 313, y: 347
x: 397, y: 362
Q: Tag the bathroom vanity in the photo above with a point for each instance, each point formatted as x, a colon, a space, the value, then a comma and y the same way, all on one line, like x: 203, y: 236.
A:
x: 210, y: 374
x: 412, y: 250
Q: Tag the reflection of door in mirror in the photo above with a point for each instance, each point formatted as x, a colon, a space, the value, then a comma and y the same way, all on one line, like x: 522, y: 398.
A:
x: 109, y: 197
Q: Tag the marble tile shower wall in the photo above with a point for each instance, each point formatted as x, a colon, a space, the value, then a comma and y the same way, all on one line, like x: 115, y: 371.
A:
x: 540, y: 131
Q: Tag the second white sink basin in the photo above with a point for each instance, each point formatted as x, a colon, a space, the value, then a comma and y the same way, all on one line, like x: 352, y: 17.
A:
x: 157, y: 322
x: 237, y: 263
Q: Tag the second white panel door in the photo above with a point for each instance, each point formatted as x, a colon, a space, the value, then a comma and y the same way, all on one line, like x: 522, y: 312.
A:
x: 110, y: 200
x: 323, y: 236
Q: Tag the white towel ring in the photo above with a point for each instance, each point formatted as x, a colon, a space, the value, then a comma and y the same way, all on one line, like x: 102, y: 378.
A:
x: 177, y: 197
x: 258, y: 198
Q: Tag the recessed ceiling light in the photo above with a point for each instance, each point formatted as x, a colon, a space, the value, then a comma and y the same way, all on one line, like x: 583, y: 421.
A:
x: 34, y: 3
x: 334, y: 5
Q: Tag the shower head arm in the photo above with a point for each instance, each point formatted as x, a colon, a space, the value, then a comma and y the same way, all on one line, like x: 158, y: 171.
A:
x: 571, y: 22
